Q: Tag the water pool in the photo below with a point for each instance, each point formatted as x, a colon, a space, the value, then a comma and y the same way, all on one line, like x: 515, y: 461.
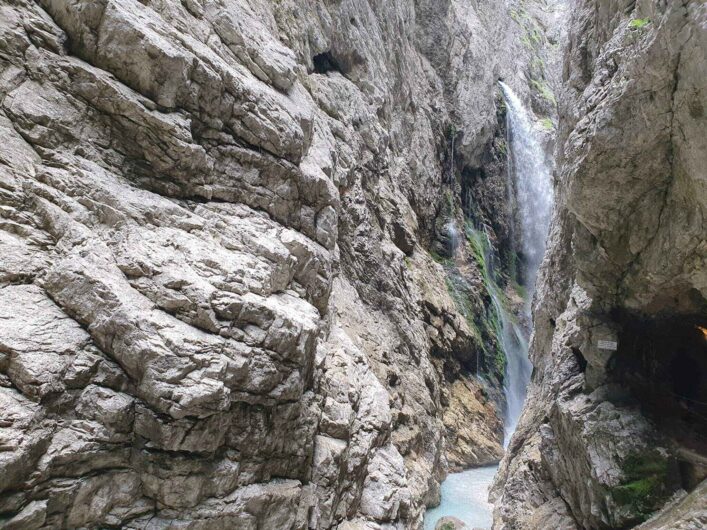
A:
x: 465, y: 496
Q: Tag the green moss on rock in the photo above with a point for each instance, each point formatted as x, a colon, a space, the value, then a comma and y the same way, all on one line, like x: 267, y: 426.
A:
x: 547, y: 124
x: 646, y: 483
x: 639, y: 23
x: 544, y: 90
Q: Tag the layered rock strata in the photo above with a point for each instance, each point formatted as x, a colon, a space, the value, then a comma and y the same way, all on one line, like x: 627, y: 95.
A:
x: 217, y: 306
x: 615, y: 420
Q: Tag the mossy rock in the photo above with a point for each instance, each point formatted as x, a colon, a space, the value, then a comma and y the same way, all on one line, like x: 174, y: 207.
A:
x: 646, y: 486
x: 542, y: 88
x: 639, y: 23
x: 547, y: 124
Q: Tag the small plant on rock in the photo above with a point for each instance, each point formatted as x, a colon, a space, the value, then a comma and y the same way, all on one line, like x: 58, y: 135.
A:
x: 639, y: 23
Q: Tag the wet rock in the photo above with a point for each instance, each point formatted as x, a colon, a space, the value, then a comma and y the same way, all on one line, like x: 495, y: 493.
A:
x: 450, y: 523
x: 626, y: 246
x: 474, y: 438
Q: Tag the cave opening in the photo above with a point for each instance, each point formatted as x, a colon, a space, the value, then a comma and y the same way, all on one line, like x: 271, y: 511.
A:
x: 662, y: 362
x: 325, y: 62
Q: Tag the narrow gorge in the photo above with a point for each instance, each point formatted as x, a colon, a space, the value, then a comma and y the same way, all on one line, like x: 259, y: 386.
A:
x: 353, y: 264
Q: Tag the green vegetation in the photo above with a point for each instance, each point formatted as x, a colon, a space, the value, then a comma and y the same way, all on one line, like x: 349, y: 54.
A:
x: 490, y: 322
x: 500, y: 359
x: 538, y: 64
x: 639, y: 23
x: 532, y: 36
x: 485, y: 327
x: 534, y: 39
x: 502, y: 147
x: 645, y: 485
x: 478, y: 245
x: 481, y: 314
x: 408, y: 262
x: 463, y: 304
x: 518, y: 288
x: 547, y: 124
x: 447, y: 526
x: 544, y: 90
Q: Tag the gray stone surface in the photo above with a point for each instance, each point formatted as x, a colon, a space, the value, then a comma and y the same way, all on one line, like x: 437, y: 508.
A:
x: 628, y: 236
x: 217, y: 309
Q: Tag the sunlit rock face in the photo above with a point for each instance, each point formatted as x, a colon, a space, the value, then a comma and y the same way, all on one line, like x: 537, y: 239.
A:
x: 615, y: 422
x: 216, y: 306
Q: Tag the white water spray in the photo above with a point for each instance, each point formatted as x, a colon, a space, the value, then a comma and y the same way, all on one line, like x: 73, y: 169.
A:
x: 453, y: 237
x: 464, y: 495
x: 529, y: 176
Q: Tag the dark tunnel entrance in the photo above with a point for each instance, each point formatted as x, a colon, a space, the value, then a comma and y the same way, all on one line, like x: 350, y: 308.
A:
x: 662, y: 362
x: 325, y: 62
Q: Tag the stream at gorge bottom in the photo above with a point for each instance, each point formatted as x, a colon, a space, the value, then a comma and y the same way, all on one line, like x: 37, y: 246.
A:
x: 465, y: 496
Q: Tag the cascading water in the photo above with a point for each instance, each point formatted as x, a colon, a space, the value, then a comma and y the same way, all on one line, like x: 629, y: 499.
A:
x: 464, y: 494
x: 529, y: 176
x: 453, y: 236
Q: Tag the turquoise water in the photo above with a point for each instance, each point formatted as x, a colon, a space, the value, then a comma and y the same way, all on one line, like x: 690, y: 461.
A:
x: 465, y: 496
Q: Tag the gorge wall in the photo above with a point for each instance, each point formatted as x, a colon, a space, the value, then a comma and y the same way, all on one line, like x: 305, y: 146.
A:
x: 239, y: 286
x: 220, y: 298
x: 611, y: 431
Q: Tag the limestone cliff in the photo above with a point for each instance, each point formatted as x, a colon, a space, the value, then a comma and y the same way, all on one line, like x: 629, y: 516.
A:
x: 218, y: 302
x: 241, y: 278
x: 615, y: 420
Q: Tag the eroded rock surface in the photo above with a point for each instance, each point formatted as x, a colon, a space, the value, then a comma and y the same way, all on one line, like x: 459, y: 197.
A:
x: 610, y: 431
x: 217, y: 309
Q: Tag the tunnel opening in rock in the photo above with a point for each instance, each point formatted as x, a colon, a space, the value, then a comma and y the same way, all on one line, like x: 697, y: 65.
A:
x: 325, y: 63
x: 581, y: 361
x: 662, y: 362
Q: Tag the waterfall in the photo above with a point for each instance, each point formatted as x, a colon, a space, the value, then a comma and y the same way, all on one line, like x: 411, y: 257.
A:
x: 529, y: 177
x: 464, y: 494
x: 518, y: 369
x: 453, y: 237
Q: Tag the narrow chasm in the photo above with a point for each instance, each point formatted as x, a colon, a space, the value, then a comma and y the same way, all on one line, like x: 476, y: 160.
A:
x: 353, y: 265
x: 505, y: 207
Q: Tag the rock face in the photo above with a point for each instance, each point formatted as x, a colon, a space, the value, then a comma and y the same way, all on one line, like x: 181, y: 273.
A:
x: 450, y: 523
x: 217, y: 309
x: 614, y: 422
x: 236, y: 289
